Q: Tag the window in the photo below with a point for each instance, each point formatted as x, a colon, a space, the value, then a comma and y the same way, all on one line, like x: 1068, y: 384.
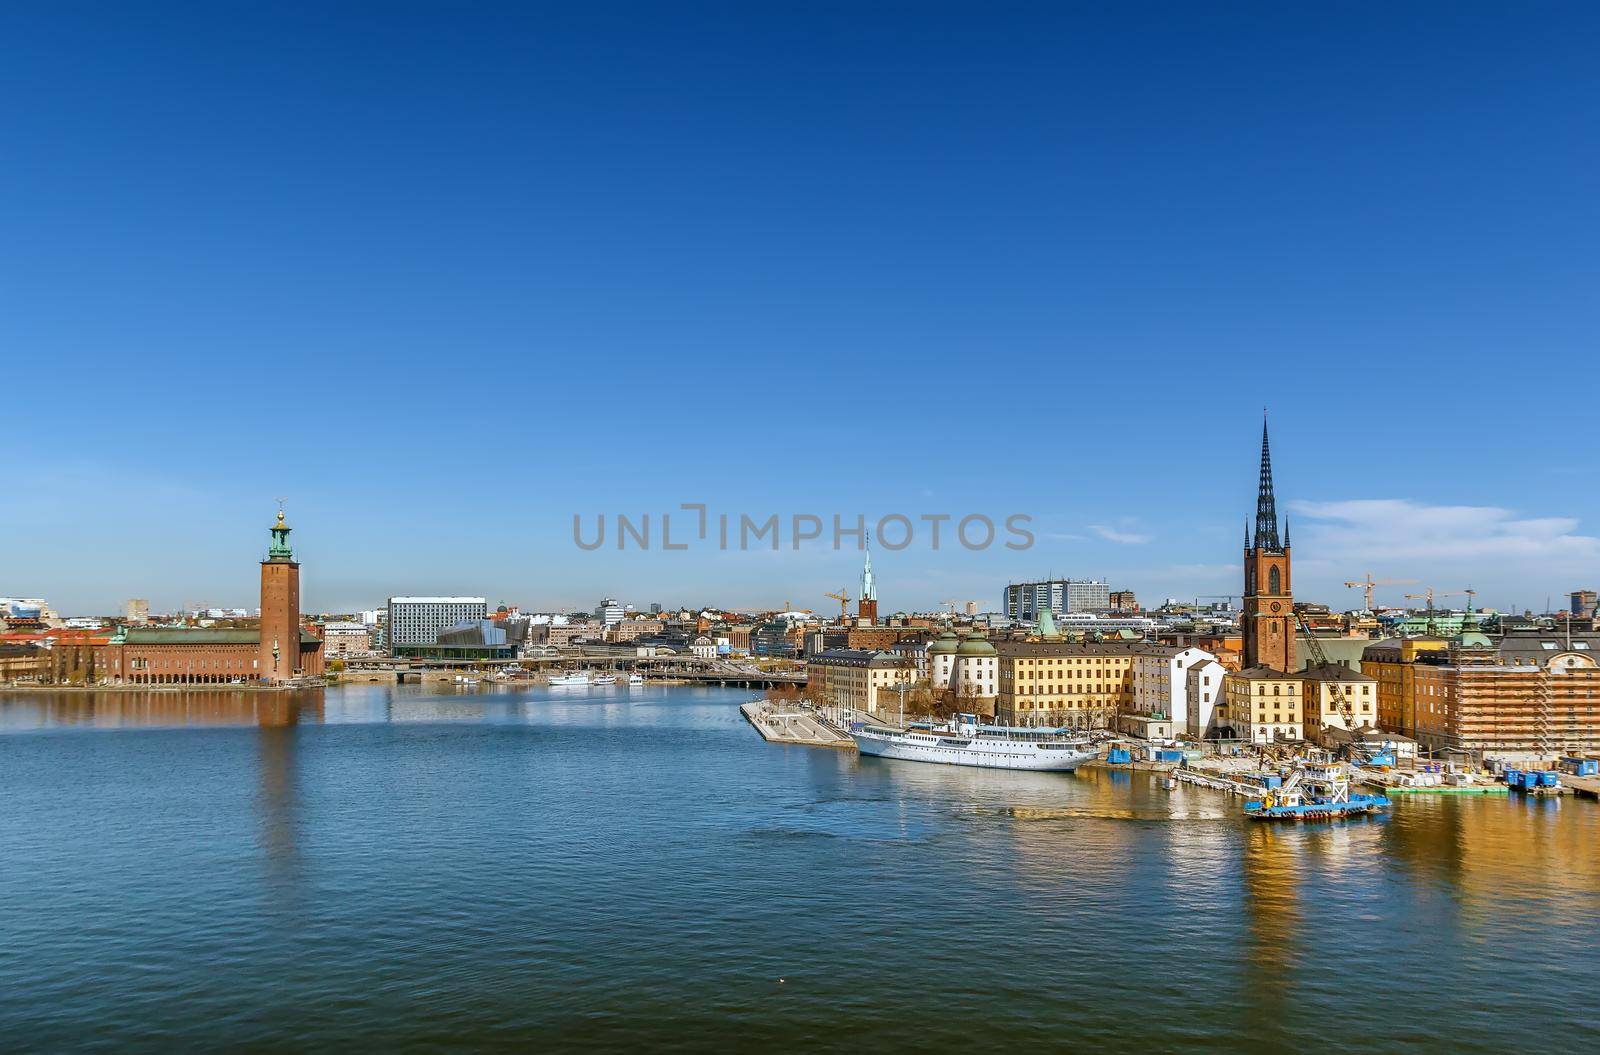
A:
x: 1274, y: 581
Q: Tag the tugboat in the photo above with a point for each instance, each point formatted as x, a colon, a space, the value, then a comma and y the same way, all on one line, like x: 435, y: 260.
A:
x: 1314, y: 793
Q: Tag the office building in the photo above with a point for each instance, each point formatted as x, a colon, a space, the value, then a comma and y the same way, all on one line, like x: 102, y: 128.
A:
x: 1023, y: 601
x: 419, y: 620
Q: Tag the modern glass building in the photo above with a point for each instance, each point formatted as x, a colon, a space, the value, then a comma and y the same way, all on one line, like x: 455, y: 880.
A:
x: 419, y: 620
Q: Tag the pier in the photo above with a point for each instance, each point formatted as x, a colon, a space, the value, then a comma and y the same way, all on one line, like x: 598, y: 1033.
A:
x: 787, y: 723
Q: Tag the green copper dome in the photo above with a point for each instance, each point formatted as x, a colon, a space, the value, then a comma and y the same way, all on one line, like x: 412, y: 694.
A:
x: 944, y: 644
x: 976, y: 645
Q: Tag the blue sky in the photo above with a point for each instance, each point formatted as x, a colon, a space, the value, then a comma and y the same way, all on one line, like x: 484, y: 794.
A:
x: 446, y: 275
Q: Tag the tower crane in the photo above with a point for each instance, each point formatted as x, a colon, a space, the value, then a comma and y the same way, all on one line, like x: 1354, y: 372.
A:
x: 1369, y: 582
x: 843, y: 597
x: 1432, y: 593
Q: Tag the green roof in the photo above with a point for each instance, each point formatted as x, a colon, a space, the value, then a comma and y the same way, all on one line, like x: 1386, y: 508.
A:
x: 201, y: 636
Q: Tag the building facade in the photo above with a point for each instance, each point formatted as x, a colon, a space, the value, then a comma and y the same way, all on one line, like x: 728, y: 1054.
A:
x: 1160, y: 683
x: 344, y: 639
x: 862, y: 679
x: 418, y: 620
x: 1267, y: 622
x: 1023, y: 601
x: 1261, y: 705
x: 1063, y: 683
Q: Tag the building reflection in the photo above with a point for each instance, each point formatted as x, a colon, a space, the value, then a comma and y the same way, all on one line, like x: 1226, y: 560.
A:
x: 1271, y: 863
x: 126, y: 709
x: 277, y: 801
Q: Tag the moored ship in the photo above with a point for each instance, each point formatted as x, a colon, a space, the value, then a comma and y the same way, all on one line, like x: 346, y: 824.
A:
x: 966, y: 743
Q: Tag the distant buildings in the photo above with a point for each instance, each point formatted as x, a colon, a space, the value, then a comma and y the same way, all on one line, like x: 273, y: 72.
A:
x: 1023, y: 601
x: 1583, y: 604
x: 341, y: 640
x: 609, y: 612
x: 137, y: 611
x: 418, y: 620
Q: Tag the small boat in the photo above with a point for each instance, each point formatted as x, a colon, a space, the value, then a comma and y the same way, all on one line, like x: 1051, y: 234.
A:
x: 603, y: 679
x: 1314, y: 793
x: 635, y: 679
x: 1170, y: 783
x: 575, y: 678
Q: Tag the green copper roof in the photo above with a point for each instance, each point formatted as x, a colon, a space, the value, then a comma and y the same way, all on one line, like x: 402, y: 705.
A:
x: 279, y: 550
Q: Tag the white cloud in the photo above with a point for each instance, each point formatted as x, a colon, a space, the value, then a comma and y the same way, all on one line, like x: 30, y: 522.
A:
x: 1397, y: 529
x: 1119, y: 535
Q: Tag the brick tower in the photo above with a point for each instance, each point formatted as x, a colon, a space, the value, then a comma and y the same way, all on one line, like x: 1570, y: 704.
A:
x: 280, y: 608
x: 1268, y: 620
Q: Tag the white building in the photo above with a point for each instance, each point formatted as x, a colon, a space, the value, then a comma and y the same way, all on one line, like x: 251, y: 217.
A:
x: 1205, y: 690
x: 1160, y: 682
x: 703, y: 648
x: 1023, y: 601
x: 346, y: 639
x: 610, y: 613
x: 418, y: 620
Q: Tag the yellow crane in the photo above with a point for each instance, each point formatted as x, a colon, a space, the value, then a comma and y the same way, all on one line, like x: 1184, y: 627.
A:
x: 843, y: 597
x: 1432, y: 593
x: 1369, y: 582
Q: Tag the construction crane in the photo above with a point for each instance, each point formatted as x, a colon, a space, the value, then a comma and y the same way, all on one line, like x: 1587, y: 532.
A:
x: 1369, y: 582
x: 843, y: 597
x: 1432, y: 593
x: 1347, y: 710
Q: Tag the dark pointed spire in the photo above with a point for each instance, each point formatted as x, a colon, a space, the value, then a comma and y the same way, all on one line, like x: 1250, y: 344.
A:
x: 1247, y: 534
x: 1285, y: 532
x: 1266, y: 507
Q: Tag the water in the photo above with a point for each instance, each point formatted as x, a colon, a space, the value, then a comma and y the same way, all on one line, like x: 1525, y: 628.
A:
x: 406, y: 870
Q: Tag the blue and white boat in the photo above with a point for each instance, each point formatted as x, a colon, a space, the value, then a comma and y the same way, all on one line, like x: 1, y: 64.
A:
x: 1314, y: 793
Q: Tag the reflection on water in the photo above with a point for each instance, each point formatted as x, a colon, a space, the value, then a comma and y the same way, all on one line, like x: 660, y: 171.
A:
x: 24, y: 710
x: 635, y: 869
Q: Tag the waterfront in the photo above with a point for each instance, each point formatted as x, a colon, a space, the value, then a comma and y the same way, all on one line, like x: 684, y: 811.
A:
x: 405, y: 869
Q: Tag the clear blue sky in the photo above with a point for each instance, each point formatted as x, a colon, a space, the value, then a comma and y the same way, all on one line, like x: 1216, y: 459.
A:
x: 445, y: 275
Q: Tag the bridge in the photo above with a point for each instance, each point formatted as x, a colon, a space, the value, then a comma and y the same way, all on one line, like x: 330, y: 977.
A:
x: 677, y: 668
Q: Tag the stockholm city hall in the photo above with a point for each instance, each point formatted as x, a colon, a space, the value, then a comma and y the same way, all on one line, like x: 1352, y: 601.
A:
x: 1268, y: 620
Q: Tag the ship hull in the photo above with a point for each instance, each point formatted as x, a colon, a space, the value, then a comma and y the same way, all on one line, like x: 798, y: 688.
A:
x: 992, y: 755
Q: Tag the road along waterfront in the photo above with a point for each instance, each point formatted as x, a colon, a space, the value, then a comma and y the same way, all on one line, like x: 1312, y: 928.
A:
x: 391, y: 867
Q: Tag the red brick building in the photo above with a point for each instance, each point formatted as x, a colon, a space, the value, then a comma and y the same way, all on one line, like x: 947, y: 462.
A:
x: 280, y: 649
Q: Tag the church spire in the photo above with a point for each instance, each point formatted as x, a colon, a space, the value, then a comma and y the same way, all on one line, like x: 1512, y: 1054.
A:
x: 869, y: 589
x: 1266, y: 506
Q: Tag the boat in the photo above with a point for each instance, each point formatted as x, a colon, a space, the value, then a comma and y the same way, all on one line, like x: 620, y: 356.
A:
x: 575, y: 678
x: 635, y: 679
x: 1314, y: 793
x: 963, y: 742
x: 603, y: 679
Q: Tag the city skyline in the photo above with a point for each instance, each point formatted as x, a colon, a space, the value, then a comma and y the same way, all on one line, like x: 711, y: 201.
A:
x: 855, y: 262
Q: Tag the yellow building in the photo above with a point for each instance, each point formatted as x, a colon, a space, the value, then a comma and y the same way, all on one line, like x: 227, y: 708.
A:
x: 1320, y: 699
x: 1262, y: 705
x: 1062, y: 683
x: 863, y: 679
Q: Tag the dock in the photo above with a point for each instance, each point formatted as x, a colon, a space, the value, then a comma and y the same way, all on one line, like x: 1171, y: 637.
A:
x: 787, y: 724
x: 1588, y: 787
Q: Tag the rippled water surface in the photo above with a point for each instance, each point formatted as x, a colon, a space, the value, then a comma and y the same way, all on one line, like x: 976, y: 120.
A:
x: 397, y: 869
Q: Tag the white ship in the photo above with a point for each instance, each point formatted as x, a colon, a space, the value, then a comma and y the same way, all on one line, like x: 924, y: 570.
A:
x: 579, y: 678
x: 635, y: 679
x: 966, y: 743
x: 603, y: 679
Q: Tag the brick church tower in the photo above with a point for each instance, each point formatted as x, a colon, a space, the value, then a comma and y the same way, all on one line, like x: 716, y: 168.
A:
x: 1268, y: 620
x: 280, y: 608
